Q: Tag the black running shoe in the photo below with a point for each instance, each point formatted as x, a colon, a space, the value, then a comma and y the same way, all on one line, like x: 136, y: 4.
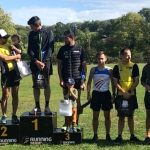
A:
x: 108, y: 138
x: 119, y: 139
x: 133, y: 138
x: 95, y: 139
x: 147, y: 140
x: 15, y: 119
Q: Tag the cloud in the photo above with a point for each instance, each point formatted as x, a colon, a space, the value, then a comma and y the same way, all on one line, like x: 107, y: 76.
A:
x: 85, y: 10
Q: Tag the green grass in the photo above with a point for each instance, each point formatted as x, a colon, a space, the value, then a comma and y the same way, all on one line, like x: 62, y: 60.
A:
x: 27, y: 103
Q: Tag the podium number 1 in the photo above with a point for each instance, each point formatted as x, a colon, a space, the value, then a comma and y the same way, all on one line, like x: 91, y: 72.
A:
x: 35, y: 122
x: 4, y: 130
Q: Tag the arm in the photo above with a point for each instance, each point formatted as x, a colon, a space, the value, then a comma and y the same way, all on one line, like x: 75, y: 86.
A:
x: 74, y: 93
x: 6, y: 58
x: 89, y: 83
x: 17, y: 50
x: 135, y: 76
x: 144, y: 78
x: 112, y: 83
x: 59, y: 68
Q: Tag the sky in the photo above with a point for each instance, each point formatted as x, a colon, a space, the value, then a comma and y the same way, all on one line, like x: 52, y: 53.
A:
x: 67, y: 11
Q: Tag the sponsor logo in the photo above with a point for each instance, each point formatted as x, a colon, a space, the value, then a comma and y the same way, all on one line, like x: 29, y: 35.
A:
x: 6, y: 141
x: 68, y: 142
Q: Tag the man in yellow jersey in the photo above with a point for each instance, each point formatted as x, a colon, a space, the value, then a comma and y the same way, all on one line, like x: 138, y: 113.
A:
x: 126, y: 79
x: 8, y: 78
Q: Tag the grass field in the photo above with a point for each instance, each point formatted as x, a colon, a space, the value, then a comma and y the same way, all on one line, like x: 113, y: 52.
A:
x: 26, y: 104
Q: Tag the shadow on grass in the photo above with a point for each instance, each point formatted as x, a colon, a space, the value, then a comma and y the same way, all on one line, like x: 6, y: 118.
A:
x: 104, y: 143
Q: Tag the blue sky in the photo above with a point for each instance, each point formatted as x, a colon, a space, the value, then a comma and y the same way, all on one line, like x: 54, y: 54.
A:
x: 53, y: 11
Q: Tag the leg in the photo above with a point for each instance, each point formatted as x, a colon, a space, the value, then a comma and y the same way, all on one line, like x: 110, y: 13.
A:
x: 74, y: 116
x: 148, y: 123
x: 107, y: 121
x: 78, y: 105
x: 121, y: 122
x: 15, y: 99
x: 47, y: 93
x: 36, y: 93
x: 133, y: 138
x: 5, y: 96
x: 131, y: 125
x: 95, y: 121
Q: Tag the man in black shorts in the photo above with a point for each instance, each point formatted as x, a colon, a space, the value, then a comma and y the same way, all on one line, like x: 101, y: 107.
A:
x: 126, y: 79
x: 72, y: 64
x: 145, y: 81
x: 40, y: 49
x: 101, y: 96
x: 9, y: 78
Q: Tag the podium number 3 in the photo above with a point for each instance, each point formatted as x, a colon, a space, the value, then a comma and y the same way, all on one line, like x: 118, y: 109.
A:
x: 4, y: 130
x: 35, y: 122
x: 67, y: 136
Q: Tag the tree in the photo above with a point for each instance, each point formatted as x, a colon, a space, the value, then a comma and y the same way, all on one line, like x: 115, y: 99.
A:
x: 145, y: 12
x: 129, y: 31
x: 6, y: 22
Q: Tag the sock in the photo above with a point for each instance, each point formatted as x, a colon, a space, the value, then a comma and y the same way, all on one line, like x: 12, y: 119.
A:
x: 46, y: 103
x: 37, y: 104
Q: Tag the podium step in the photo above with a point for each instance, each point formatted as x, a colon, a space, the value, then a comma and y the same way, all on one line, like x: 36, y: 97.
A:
x: 64, y: 137
x: 37, y: 129
x: 9, y: 133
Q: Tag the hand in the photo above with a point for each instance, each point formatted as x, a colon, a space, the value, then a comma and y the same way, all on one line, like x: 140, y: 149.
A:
x: 89, y: 97
x: 18, y: 56
x: 71, y: 89
x: 147, y: 87
x: 126, y: 95
x: 113, y: 99
x: 83, y: 86
x: 40, y: 65
x: 62, y: 83
x: 13, y: 47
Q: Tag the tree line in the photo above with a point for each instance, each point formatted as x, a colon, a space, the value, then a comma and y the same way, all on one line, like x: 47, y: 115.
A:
x: 130, y: 30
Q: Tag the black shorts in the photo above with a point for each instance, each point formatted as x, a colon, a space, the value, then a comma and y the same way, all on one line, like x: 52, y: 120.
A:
x: 147, y: 100
x: 101, y: 100
x: 132, y: 102
x: 10, y: 79
x: 40, y: 80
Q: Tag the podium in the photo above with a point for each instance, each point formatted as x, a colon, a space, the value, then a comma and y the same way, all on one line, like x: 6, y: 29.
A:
x: 60, y: 137
x: 9, y: 133
x: 37, y: 129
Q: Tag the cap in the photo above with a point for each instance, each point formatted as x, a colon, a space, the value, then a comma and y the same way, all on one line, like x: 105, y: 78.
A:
x: 33, y: 20
x: 69, y: 33
x: 3, y: 34
x: 70, y: 81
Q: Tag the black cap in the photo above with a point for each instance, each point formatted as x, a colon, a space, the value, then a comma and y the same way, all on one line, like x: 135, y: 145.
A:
x: 70, y: 81
x: 69, y: 33
x: 34, y: 20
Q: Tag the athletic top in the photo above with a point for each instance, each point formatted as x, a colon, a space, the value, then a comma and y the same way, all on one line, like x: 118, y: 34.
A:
x: 101, y: 79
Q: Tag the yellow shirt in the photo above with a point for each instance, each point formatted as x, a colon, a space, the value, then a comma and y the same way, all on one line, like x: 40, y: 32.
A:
x: 5, y: 50
x: 126, y: 79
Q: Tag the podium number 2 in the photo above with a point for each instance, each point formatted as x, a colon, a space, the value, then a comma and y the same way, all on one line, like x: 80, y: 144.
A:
x: 35, y: 122
x: 4, y: 130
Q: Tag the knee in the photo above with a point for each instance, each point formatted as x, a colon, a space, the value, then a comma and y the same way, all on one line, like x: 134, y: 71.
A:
x: 107, y: 117
x: 95, y: 119
x: 130, y: 118
x: 121, y: 119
